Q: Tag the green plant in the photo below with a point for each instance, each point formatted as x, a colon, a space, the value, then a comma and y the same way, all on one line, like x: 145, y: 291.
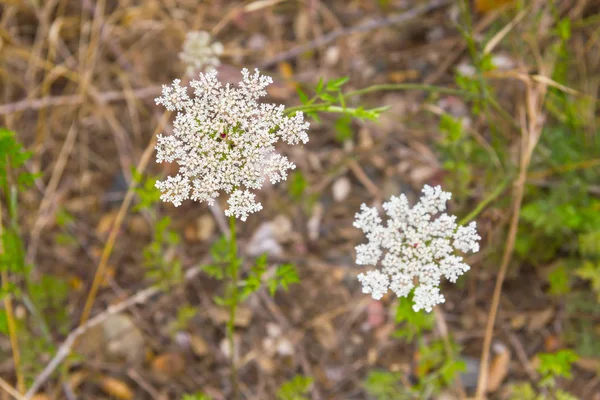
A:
x: 412, y: 323
x: 386, y: 385
x: 552, y: 366
x: 196, y: 396
x: 44, y: 297
x: 296, y: 388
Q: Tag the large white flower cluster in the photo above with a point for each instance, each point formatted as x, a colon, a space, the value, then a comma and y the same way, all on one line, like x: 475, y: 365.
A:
x: 415, y: 248
x: 223, y: 141
x: 199, y: 54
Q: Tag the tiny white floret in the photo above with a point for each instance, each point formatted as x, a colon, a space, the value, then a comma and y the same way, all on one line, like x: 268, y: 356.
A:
x: 224, y: 141
x: 415, y: 248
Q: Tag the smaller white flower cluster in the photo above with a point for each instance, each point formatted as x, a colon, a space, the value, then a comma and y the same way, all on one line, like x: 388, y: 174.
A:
x: 223, y: 140
x: 419, y: 249
x: 198, y: 54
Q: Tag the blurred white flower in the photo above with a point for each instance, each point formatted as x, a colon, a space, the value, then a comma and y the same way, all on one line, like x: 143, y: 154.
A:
x: 417, y: 248
x: 198, y: 54
x: 223, y: 141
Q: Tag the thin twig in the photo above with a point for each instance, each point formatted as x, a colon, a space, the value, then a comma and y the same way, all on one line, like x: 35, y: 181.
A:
x: 107, y: 251
x: 54, y: 101
x: 363, y: 27
x: 531, y: 131
x: 10, y: 390
x: 49, y: 194
x: 65, y: 348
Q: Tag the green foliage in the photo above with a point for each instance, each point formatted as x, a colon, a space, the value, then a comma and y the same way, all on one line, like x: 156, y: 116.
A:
x: 557, y: 364
x: 525, y: 391
x: 146, y: 190
x: 435, y: 369
x: 329, y: 98
x: 559, y: 280
x: 296, y: 388
x: 49, y: 295
x: 197, y: 396
x: 385, y: 385
x: 44, y: 296
x: 162, y: 266
x: 285, y: 275
x: 185, y: 314
x: 12, y: 159
x: 343, y: 128
x: 463, y: 158
x: 552, y: 366
x: 254, y: 280
x: 590, y: 271
x: 412, y: 323
x: 297, y: 185
x: 433, y: 372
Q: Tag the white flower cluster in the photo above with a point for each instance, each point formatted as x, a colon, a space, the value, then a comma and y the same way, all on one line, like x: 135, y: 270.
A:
x: 224, y: 141
x: 419, y: 249
x: 198, y: 54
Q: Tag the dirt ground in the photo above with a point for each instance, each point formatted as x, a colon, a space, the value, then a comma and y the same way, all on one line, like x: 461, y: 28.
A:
x: 78, y: 81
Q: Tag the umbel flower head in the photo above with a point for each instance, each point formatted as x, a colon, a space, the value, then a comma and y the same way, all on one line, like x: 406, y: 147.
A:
x: 223, y: 141
x: 199, y: 54
x: 416, y: 249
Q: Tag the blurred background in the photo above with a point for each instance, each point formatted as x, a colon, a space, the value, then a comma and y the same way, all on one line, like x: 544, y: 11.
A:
x: 493, y: 100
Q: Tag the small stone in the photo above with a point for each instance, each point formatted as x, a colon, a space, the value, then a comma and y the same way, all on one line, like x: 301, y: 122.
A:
x: 124, y: 340
x: 168, y: 365
x: 205, y: 227
x: 199, y: 346
x: 341, y: 188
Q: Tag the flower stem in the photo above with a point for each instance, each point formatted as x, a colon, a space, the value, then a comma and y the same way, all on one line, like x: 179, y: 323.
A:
x: 233, y: 299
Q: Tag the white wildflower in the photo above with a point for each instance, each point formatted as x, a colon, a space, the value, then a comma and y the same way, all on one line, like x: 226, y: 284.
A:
x: 418, y: 248
x: 198, y: 54
x: 223, y: 141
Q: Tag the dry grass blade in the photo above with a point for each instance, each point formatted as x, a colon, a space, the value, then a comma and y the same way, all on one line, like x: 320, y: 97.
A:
x: 65, y: 348
x: 107, y: 251
x: 530, y: 133
x: 364, y: 27
x: 10, y: 390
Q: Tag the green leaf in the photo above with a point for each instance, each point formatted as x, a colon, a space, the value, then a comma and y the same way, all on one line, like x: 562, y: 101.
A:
x: 384, y: 385
x: 3, y: 322
x: 295, y: 389
x: 196, y: 396
x: 591, y: 271
x: 557, y: 364
x: 319, y: 87
x: 343, y: 128
x: 327, y: 97
x: 413, y: 323
x: 220, y: 250
x: 214, y: 271
x: 303, y: 97
x: 297, y: 185
x: 564, y: 29
x: 335, y: 84
x: 559, y: 280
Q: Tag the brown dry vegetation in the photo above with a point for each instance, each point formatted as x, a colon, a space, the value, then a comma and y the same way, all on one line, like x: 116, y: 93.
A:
x: 78, y: 81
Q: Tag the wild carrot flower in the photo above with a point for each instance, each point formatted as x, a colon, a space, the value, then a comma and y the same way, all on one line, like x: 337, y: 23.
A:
x: 415, y: 249
x: 223, y: 141
x: 198, y: 54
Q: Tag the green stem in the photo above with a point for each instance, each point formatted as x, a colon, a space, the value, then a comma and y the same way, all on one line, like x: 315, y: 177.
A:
x: 409, y: 86
x: 492, y: 196
x: 233, y: 299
